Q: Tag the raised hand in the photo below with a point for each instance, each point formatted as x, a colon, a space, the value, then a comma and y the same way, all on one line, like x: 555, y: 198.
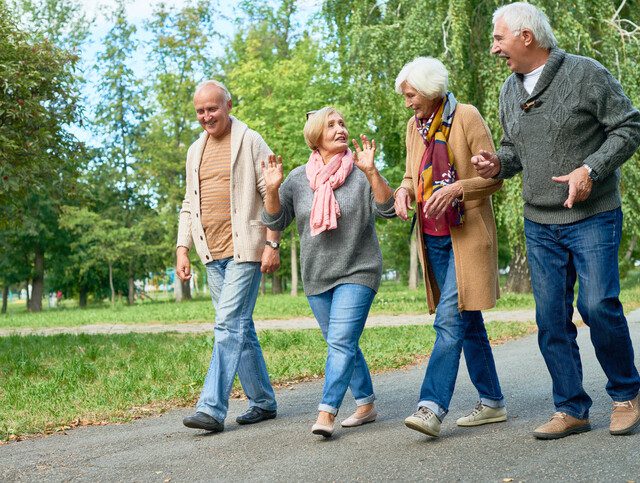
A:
x: 487, y: 164
x: 364, y: 156
x: 272, y: 172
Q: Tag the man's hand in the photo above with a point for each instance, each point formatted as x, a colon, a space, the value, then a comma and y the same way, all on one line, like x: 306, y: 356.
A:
x: 442, y: 199
x: 402, y: 203
x: 270, y: 260
x: 487, y: 164
x: 580, y: 185
x: 183, y: 266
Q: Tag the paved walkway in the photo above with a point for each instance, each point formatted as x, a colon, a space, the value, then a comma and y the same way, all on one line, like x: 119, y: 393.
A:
x: 298, y: 323
x: 160, y: 449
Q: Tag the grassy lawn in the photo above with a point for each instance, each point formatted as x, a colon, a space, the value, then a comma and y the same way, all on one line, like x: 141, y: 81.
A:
x: 52, y: 383
x: 392, y: 298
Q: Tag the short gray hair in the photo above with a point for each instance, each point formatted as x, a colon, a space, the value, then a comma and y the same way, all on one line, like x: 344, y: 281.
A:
x: 521, y: 16
x: 427, y: 75
x: 218, y: 84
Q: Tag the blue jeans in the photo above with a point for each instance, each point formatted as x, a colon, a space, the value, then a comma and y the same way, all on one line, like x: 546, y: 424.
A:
x: 455, y: 332
x: 234, y: 290
x: 588, y: 250
x: 341, y: 313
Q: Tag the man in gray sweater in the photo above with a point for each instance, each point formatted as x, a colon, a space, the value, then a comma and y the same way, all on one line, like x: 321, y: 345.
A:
x: 568, y: 126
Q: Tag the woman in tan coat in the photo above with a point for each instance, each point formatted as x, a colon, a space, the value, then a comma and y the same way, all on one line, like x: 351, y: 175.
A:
x: 457, y: 239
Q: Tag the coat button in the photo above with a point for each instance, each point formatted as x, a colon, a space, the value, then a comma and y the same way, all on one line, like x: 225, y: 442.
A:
x: 195, y: 191
x: 201, y: 238
x: 207, y: 257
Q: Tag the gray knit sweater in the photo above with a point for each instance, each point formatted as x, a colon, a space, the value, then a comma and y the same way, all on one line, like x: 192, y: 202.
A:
x: 581, y: 116
x: 348, y: 254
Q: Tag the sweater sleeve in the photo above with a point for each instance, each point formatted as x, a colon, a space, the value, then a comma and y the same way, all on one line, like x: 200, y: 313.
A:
x: 407, y: 179
x: 478, y: 138
x: 621, y: 122
x: 510, y: 163
x: 184, y: 221
x: 279, y: 221
x: 260, y: 152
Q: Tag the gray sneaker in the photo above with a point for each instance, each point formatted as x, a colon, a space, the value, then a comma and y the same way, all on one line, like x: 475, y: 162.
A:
x: 425, y: 421
x: 483, y: 415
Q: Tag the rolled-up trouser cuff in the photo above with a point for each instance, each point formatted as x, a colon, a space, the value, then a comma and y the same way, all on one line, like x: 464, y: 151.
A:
x: 365, y: 400
x: 492, y: 403
x: 328, y: 409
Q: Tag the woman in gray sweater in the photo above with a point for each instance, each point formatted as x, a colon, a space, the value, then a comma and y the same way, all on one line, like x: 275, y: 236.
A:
x: 335, y: 208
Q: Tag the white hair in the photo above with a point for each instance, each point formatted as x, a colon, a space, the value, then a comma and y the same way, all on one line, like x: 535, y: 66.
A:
x: 219, y: 85
x: 521, y: 16
x: 427, y: 75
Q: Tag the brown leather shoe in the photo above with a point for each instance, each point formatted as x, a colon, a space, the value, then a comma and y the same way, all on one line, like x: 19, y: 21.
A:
x: 561, y: 425
x: 625, y: 416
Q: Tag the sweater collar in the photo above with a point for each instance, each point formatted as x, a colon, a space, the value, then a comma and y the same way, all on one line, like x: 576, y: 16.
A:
x: 555, y: 60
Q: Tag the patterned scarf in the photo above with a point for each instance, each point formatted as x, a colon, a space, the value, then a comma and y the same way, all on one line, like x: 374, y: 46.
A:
x: 437, y: 168
x: 323, y: 179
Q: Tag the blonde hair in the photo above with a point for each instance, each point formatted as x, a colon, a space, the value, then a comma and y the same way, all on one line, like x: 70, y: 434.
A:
x: 315, y: 124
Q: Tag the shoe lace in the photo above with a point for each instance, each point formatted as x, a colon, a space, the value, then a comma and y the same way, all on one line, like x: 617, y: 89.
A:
x: 477, y: 409
x: 622, y: 405
x: 424, y: 413
x: 558, y: 415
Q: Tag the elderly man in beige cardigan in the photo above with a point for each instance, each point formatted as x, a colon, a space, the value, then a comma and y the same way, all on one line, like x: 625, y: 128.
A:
x: 221, y: 216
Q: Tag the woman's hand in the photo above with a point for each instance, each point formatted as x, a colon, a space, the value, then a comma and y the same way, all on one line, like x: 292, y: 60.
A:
x: 442, y: 199
x: 363, y: 158
x: 272, y: 172
x: 402, y: 203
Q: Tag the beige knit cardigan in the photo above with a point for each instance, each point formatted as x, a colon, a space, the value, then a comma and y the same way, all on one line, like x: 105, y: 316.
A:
x: 248, y: 190
x: 475, y: 243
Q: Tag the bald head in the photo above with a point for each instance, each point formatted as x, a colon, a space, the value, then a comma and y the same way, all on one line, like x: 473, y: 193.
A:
x: 212, y: 103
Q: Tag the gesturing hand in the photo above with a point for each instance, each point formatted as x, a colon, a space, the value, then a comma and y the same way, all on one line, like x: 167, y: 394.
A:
x: 402, y: 203
x: 440, y: 200
x: 580, y: 185
x: 487, y: 164
x: 272, y: 172
x: 364, y: 157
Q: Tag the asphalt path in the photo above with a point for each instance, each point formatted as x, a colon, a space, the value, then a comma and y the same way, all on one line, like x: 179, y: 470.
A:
x: 160, y: 449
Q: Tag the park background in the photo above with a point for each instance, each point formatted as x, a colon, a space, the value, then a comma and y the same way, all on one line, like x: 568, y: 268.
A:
x: 96, y: 116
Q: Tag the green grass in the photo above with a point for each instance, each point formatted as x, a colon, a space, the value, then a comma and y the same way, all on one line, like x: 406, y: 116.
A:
x: 392, y: 298
x: 55, y: 382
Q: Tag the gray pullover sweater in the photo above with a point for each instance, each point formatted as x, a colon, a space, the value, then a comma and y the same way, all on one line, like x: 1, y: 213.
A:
x: 581, y: 116
x: 348, y: 254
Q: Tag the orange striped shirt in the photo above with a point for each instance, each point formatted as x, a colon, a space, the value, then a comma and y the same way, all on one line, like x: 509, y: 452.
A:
x: 215, y: 196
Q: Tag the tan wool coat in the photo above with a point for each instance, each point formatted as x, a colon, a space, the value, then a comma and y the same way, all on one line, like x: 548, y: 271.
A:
x: 475, y: 243
x: 248, y: 190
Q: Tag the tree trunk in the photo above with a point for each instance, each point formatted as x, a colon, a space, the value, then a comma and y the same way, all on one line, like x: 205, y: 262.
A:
x: 518, y: 280
x: 632, y: 247
x: 38, y: 281
x: 263, y: 285
x: 113, y: 292
x: 413, y: 264
x: 131, y: 293
x: 28, y: 295
x: 182, y: 290
x: 82, y: 302
x: 294, y: 266
x: 276, y: 284
x: 5, y: 296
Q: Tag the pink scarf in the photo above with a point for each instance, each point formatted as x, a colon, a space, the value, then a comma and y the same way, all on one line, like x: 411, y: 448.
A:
x: 324, y: 179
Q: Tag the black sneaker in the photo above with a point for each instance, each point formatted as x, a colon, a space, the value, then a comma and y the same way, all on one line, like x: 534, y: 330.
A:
x: 202, y: 420
x: 255, y: 415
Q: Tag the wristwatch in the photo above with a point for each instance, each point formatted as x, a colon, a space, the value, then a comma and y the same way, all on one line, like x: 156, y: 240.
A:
x: 589, y: 169
x: 272, y: 244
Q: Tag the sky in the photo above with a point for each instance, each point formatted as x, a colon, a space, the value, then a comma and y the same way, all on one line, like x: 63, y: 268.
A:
x: 137, y: 12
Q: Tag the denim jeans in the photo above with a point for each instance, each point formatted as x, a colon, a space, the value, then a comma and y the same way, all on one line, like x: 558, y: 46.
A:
x: 588, y: 250
x: 341, y: 313
x: 234, y: 290
x: 455, y: 332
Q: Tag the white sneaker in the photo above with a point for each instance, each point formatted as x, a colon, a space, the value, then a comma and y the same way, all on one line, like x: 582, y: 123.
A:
x: 425, y: 421
x: 483, y: 415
